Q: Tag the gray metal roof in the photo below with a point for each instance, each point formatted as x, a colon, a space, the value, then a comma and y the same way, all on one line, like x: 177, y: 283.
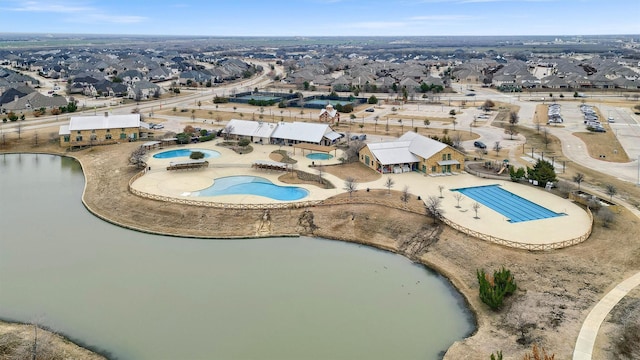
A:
x: 104, y: 122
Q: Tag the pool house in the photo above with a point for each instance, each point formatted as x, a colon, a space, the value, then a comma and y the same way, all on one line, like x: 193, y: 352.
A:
x: 412, y: 152
x: 283, y: 133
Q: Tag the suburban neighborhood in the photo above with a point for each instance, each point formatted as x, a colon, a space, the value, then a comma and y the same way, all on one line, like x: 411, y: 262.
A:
x: 508, y: 165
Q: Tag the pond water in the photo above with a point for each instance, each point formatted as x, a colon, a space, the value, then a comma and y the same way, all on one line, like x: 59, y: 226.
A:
x: 142, y: 296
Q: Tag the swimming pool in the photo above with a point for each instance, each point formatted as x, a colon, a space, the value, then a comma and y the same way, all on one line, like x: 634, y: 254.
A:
x: 319, y: 156
x: 211, y: 154
x: 514, y: 207
x: 252, y: 185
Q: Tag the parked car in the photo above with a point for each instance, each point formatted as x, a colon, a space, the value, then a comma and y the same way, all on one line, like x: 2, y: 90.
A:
x: 370, y: 110
x: 610, y: 119
x: 479, y: 144
x: 362, y: 137
x: 158, y: 126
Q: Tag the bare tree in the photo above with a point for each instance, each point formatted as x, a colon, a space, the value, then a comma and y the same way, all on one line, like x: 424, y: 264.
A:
x: 476, y: 205
x: 405, y: 195
x: 41, y: 346
x: 35, y: 138
x: 488, y: 104
x: 138, y: 157
x: 564, y: 188
x: 594, y: 204
x: 433, y: 206
x: 513, y: 122
x: 456, y: 139
x: 497, y: 147
x: 440, y: 188
x: 578, y: 179
x: 351, y: 153
x: 606, y: 216
x: 481, y: 153
x: 545, y: 137
x: 19, y: 130
x: 227, y: 131
x: 611, y: 191
x: 458, y: 196
x: 389, y: 184
x: 350, y: 185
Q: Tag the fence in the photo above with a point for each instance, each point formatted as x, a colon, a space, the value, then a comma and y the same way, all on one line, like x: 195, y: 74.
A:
x: 521, y: 245
x: 211, y: 204
x: 368, y: 201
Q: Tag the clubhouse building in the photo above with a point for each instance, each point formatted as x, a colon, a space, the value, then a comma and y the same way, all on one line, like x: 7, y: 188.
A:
x: 412, y: 152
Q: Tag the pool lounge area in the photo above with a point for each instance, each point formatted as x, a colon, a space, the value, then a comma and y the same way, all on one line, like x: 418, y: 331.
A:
x: 565, y: 224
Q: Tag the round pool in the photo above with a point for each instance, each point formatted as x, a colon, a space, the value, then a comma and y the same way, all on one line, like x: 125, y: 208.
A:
x: 252, y: 185
x: 211, y: 154
x: 319, y: 156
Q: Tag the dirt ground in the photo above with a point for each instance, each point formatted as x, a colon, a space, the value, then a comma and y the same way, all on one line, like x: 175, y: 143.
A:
x: 556, y: 289
x: 20, y: 338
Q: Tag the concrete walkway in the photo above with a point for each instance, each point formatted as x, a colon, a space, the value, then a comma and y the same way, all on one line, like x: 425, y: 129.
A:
x: 591, y: 326
x: 494, y: 226
x: 589, y: 331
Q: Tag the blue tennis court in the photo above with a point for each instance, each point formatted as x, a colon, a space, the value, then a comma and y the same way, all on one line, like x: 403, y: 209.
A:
x: 325, y: 102
x: 512, y: 206
x: 260, y: 98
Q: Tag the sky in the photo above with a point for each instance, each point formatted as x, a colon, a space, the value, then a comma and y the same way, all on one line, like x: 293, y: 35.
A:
x: 322, y: 17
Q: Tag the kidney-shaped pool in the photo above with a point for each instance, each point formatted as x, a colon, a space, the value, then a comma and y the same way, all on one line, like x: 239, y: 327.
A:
x: 252, y: 185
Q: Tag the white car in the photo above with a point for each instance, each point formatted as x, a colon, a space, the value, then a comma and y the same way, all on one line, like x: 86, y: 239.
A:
x: 610, y: 119
x: 157, y: 126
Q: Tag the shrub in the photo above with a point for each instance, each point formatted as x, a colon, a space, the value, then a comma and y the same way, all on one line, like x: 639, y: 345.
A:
x: 220, y: 100
x: 183, y: 138
x: 543, y: 172
x: 516, y: 175
x: 195, y: 155
x: 494, y: 289
x: 538, y: 354
x: 244, y: 142
x: 207, y: 137
x: 628, y: 344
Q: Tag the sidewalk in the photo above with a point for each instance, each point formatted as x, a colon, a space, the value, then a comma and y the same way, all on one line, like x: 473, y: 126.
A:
x: 590, y: 327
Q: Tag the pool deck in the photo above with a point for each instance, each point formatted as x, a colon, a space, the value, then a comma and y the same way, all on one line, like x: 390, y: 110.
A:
x: 179, y: 184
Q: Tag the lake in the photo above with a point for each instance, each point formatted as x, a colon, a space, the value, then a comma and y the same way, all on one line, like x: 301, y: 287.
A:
x: 142, y: 296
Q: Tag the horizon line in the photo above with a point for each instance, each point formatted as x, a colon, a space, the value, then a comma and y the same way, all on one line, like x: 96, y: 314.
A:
x: 311, y: 36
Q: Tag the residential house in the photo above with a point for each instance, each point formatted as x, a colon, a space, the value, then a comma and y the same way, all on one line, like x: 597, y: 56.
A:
x: 143, y: 90
x: 34, y: 100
